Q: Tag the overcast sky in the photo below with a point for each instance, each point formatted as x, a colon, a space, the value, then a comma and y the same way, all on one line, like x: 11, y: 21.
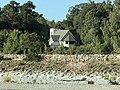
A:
x: 52, y: 9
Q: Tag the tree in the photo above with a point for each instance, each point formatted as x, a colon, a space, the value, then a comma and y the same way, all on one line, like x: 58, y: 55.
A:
x: 30, y: 42
x: 9, y: 18
x: 31, y: 45
x: 24, y: 18
x: 3, y: 37
x: 115, y: 25
x: 12, y: 43
x: 107, y: 46
x: 27, y: 15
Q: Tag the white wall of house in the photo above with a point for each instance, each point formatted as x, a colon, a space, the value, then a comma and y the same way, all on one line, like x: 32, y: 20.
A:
x: 50, y: 41
x: 68, y: 44
x: 52, y: 31
x: 65, y: 44
x: 61, y: 42
x: 54, y: 43
x: 58, y: 43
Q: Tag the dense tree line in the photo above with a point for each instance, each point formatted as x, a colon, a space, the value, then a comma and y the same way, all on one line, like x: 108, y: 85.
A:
x: 22, y: 30
x: 98, y: 25
x: 24, y: 18
x: 95, y: 25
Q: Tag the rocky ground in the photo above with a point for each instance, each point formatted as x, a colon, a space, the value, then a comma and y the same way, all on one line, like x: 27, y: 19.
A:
x: 67, y: 86
x: 78, y: 67
x: 60, y: 71
x: 55, y: 70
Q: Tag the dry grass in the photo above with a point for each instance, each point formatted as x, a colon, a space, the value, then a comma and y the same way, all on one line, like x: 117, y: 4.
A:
x: 6, y: 77
x: 100, y: 66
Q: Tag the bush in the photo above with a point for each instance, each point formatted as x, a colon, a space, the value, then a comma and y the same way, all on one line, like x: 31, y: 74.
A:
x: 19, y: 42
x: 11, y: 45
x: 118, y: 51
x: 1, y: 57
x: 32, y: 56
x: 60, y: 50
x: 34, y: 81
x: 83, y: 50
x: 6, y: 77
x: 113, y: 80
x: 46, y: 49
x: 3, y: 37
x: 71, y: 50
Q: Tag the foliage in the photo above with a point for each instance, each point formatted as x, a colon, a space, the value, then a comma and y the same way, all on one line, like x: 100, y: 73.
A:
x: 24, y: 18
x: 3, y: 37
x: 6, y: 77
x: 32, y: 56
x: 31, y: 45
x: 12, y: 43
x: 1, y: 57
x: 30, y: 42
x: 19, y: 42
x: 113, y: 80
x: 118, y: 50
x: 96, y: 26
x: 34, y: 81
x: 59, y: 50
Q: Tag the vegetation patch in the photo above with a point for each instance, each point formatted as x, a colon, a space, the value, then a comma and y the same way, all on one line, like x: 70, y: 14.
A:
x: 25, y: 31
x: 6, y: 77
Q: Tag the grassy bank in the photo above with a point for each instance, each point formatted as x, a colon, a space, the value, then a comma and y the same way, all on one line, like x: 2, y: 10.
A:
x: 93, y: 66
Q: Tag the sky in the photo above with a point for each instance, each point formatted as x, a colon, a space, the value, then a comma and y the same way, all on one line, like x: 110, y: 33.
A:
x: 52, y: 9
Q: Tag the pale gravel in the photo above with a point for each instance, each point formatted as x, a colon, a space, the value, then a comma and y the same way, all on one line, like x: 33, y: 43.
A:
x: 55, y: 86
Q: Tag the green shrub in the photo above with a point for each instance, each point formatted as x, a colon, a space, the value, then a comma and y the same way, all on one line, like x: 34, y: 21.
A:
x: 118, y: 51
x: 46, y: 49
x: 113, y: 81
x: 32, y: 56
x: 34, y: 81
x: 71, y: 50
x: 1, y: 57
x: 60, y: 50
x: 11, y: 45
x: 3, y: 37
x: 6, y: 77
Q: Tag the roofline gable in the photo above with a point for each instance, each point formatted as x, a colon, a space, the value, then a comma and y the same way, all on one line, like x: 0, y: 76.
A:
x: 66, y: 36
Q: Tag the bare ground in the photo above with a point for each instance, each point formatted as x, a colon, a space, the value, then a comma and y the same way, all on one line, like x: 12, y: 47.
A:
x: 93, y: 66
x: 67, y: 86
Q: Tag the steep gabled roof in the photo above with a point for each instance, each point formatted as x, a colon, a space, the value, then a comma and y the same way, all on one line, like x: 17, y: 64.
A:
x: 61, y: 33
x: 69, y: 37
x: 55, y: 37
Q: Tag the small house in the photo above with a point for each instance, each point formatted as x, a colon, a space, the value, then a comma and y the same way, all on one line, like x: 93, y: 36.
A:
x: 61, y: 37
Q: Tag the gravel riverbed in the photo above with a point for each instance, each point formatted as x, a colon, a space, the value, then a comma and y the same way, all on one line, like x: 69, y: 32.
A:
x: 84, y: 72
x: 66, y: 86
x: 55, y: 77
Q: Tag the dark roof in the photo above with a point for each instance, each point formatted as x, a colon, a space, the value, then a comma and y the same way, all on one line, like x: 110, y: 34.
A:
x: 55, y: 37
x: 61, y: 33
x: 69, y: 37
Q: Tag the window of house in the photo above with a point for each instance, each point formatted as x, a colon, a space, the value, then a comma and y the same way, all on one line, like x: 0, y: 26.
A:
x: 66, y: 42
x: 71, y: 42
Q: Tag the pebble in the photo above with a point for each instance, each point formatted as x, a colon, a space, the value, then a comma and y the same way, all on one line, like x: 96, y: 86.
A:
x: 54, y: 77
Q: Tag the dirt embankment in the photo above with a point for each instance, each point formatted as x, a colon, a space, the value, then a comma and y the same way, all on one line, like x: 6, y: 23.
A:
x: 70, y: 86
x: 47, y: 64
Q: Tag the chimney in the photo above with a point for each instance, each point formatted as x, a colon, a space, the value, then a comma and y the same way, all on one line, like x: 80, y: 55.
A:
x: 52, y: 31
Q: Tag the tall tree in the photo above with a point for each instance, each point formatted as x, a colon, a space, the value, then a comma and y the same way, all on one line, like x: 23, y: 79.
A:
x: 115, y: 25
x: 9, y: 16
